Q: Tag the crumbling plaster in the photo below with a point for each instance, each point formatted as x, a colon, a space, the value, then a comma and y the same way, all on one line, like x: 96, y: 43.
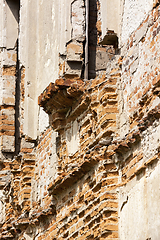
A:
x: 122, y: 16
x: 98, y: 176
x: 139, y: 216
x: 9, y: 24
x: 2, y: 29
x: 133, y: 18
x: 44, y: 44
x: 110, y: 16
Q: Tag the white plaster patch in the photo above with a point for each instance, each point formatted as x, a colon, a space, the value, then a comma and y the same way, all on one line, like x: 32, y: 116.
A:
x: 47, y: 47
x: 11, y: 23
x: 150, y: 141
x: 1, y: 24
x: 132, y: 18
x: 78, y: 18
x: 72, y: 138
x: 139, y: 216
x: 48, y: 62
x: 43, y: 120
x: 110, y: 14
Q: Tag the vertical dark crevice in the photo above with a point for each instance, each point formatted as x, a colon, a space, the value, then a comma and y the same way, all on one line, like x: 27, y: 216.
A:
x: 17, y: 106
x: 86, y: 42
x: 83, y: 73
x: 17, y: 96
x: 92, y: 35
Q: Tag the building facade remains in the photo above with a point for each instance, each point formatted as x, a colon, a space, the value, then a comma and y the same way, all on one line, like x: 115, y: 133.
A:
x: 80, y: 119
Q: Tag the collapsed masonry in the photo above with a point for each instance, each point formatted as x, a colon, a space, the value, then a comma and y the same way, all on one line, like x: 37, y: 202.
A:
x: 92, y: 172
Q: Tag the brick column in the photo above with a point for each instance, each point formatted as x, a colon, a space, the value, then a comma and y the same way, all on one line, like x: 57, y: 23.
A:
x: 7, y: 105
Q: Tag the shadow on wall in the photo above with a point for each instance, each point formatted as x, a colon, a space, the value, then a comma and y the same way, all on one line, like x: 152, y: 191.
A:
x: 92, y: 38
x: 101, y: 51
x: 14, y: 6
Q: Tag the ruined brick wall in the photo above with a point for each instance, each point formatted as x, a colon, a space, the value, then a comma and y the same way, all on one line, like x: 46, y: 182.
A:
x: 85, y: 187
x: 93, y: 171
x: 140, y: 116
x: 8, y: 117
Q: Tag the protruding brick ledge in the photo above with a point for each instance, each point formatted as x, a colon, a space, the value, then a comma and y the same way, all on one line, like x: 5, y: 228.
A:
x: 66, y: 180
x: 58, y: 98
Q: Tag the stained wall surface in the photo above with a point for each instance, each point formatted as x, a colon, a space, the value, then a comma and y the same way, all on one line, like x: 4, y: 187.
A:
x: 79, y: 158
x: 41, y: 44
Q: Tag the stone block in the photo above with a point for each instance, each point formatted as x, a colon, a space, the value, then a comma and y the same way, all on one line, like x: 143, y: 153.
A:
x: 140, y: 33
x: 73, y: 68
x: 74, y: 51
x: 102, y: 58
x: 8, y: 143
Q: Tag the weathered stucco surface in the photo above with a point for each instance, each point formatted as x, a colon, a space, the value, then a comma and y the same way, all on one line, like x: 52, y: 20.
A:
x: 110, y: 16
x: 79, y: 158
x: 44, y: 43
x: 134, y: 13
x: 140, y: 210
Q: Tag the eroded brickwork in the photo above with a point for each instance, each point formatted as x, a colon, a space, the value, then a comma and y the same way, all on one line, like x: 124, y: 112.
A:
x: 93, y: 173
